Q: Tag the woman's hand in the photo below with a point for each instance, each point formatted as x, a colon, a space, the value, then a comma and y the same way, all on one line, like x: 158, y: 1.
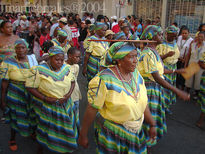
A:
x: 83, y: 141
x: 170, y: 53
x: 183, y: 95
x: 50, y: 100
x: 84, y: 71
x: 152, y: 133
x: 180, y: 71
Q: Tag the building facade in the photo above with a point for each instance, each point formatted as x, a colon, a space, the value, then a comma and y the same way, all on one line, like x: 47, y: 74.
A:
x: 184, y: 12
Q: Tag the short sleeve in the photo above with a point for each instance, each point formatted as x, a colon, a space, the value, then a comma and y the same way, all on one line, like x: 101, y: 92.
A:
x: 97, y: 92
x: 33, y: 80
x: 150, y: 63
x: 4, y: 71
x: 90, y: 47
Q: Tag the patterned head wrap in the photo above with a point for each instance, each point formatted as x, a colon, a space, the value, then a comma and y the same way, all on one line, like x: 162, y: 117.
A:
x: 92, y: 27
x: 118, y: 51
x: 172, y: 29
x: 119, y: 35
x: 55, y: 50
x: 150, y: 32
x: 62, y: 33
x: 21, y: 41
x: 100, y: 25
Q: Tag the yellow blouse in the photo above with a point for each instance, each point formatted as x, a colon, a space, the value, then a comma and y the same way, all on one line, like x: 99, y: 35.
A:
x: 115, y: 102
x: 202, y: 58
x: 76, y: 95
x: 97, y: 49
x: 11, y: 69
x: 50, y: 83
x: 164, y: 48
x: 150, y: 62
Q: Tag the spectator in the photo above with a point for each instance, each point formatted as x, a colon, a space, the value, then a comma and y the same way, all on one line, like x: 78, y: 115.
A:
x: 75, y: 33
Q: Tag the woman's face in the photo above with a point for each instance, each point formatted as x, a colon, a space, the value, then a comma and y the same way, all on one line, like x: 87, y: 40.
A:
x: 171, y: 36
x: 129, y: 62
x: 126, y: 30
x: 109, y: 37
x: 21, y: 51
x: 75, y: 58
x: 62, y: 39
x: 57, y: 61
x: 203, y: 28
x: 200, y: 38
x: 185, y: 34
x: 7, y: 29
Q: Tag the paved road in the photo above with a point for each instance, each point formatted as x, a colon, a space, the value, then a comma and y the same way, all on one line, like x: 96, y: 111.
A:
x: 182, y: 137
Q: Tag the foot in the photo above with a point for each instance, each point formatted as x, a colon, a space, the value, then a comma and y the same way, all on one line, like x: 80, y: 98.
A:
x: 12, y: 145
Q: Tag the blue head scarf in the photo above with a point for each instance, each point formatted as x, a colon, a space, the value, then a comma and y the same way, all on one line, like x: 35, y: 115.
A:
x: 55, y: 50
x: 21, y: 41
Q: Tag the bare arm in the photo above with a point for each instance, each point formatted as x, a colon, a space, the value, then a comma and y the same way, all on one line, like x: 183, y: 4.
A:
x: 87, y: 55
x: 187, y: 58
x: 151, y: 122
x: 88, y: 119
x: 4, y: 88
x: 166, y: 85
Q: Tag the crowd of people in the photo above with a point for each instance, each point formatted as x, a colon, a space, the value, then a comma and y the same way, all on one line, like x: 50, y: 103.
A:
x: 130, y: 85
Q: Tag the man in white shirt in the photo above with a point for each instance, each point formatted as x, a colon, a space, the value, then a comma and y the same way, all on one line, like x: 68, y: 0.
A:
x: 114, y: 21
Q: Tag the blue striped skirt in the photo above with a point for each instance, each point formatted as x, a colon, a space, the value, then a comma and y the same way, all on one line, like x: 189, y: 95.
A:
x: 112, y: 138
x: 93, y: 67
x: 156, y: 102
x: 57, y: 126
x: 19, y: 109
x: 170, y: 97
x: 201, y: 99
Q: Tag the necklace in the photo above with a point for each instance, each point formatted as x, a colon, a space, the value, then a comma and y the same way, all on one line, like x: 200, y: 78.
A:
x: 182, y: 44
x: 135, y: 97
x: 23, y: 67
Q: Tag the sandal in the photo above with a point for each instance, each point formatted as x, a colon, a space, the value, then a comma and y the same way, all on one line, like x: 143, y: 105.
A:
x: 13, y: 146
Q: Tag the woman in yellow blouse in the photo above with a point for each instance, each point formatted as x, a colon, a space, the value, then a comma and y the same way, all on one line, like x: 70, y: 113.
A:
x: 119, y: 96
x: 95, y: 52
x: 170, y: 54
x: 52, y: 84
x: 152, y: 69
x: 14, y: 96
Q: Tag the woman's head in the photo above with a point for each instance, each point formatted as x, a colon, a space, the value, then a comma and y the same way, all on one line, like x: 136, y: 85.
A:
x: 122, y: 54
x: 171, y: 32
x: 185, y: 33
x: 62, y: 35
x: 74, y: 55
x: 109, y: 34
x: 202, y: 27
x: 6, y: 27
x: 120, y: 36
x: 21, y: 48
x: 91, y: 29
x: 56, y: 57
x: 201, y: 36
x: 152, y: 32
x: 126, y: 30
x: 100, y: 29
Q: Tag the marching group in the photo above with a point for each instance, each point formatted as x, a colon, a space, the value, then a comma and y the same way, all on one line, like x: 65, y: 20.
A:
x: 130, y: 84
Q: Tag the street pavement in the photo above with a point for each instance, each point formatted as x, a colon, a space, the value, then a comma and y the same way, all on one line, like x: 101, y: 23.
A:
x: 183, y: 137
